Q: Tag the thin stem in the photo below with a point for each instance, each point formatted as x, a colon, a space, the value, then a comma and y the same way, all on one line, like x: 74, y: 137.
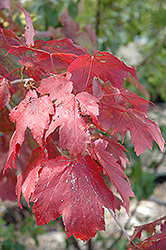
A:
x: 120, y: 225
x: 89, y: 244
x: 21, y: 80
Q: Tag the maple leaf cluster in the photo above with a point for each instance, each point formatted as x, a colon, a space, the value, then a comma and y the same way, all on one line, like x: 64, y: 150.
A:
x: 71, y: 95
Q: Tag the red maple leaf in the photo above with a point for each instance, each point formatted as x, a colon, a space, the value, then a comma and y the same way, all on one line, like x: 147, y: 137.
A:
x: 27, y: 180
x: 77, y: 191
x: 101, y: 64
x: 118, y: 151
x: 74, y: 133
x: 64, y: 46
x: 48, y: 62
x: 115, y: 112
x: 114, y: 171
x: 33, y: 113
x: 56, y: 86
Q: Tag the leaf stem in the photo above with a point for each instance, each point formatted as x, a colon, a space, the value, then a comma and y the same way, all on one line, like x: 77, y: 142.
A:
x: 120, y: 225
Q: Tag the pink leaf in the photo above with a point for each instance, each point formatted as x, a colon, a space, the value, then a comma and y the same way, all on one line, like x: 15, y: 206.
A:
x: 4, y: 92
x: 29, y: 30
x: 56, y: 86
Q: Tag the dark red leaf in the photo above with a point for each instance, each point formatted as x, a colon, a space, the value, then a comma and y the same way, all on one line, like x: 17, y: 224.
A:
x: 142, y: 130
x: 150, y: 228
x: 27, y: 180
x: 64, y: 46
x: 34, y: 113
x: 103, y: 65
x: 57, y: 62
x: 75, y: 190
x: 118, y: 151
x: 114, y: 171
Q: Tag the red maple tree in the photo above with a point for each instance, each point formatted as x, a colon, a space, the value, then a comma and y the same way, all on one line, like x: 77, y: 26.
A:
x: 69, y: 96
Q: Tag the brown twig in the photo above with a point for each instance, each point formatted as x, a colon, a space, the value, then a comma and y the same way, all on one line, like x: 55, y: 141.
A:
x: 98, y: 15
x: 121, y: 227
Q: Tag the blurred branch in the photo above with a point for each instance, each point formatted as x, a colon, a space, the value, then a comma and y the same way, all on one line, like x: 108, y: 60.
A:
x: 120, y: 225
x: 153, y: 51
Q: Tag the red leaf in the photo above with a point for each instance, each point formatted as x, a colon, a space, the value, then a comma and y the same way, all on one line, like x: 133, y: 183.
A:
x: 29, y: 30
x: 103, y: 65
x: 150, y: 228
x: 114, y: 171
x: 128, y: 99
x: 117, y: 150
x: 64, y: 46
x: 56, y: 86
x: 97, y: 89
x: 142, y: 130
x: 157, y: 240
x: 75, y: 190
x: 27, y: 180
x: 45, y: 60
x: 74, y: 134
x: 32, y: 68
x: 4, y: 92
x: 34, y: 113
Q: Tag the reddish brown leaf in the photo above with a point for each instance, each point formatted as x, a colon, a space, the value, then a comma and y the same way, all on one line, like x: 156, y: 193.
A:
x: 75, y: 190
x: 27, y: 180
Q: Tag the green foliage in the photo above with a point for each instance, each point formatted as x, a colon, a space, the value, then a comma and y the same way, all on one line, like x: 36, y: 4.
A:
x: 9, y: 236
